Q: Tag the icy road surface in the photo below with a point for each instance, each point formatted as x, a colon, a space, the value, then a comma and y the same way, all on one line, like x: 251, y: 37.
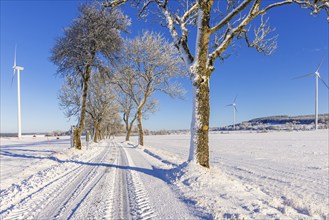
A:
x: 108, y: 181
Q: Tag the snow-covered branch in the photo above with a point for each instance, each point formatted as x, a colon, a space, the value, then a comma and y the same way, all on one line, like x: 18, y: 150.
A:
x: 230, y: 16
x: 254, y: 11
x: 113, y: 3
x: 189, y: 12
x: 201, y: 17
x: 261, y: 43
x: 144, y: 8
x: 314, y: 5
x: 179, y: 41
x: 275, y: 5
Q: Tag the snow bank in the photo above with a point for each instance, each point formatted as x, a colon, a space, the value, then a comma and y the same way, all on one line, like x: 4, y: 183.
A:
x: 261, y: 176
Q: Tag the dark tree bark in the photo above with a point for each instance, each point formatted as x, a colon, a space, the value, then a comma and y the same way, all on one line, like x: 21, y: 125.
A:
x: 83, y: 109
x: 140, y: 128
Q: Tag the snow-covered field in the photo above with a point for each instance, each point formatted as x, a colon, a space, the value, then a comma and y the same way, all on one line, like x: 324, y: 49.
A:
x: 280, y: 175
x: 18, y: 157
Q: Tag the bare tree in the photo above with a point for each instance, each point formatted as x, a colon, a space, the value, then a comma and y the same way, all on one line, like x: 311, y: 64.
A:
x: 126, y: 103
x: 113, y: 125
x: 101, y: 105
x: 124, y: 83
x: 70, y: 97
x: 93, y: 36
x: 128, y: 109
x: 148, y: 65
x: 217, y: 27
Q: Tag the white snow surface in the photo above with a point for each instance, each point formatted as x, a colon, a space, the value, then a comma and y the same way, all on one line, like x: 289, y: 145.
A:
x: 279, y: 175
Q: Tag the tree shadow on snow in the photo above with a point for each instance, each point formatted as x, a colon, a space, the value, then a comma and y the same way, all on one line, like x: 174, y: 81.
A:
x: 155, y: 172
x: 38, y: 143
x: 167, y: 175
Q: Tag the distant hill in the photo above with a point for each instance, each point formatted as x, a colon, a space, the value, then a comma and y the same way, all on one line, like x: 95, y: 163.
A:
x: 280, y: 122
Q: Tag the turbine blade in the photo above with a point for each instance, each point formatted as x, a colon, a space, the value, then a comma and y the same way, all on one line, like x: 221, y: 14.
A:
x: 230, y: 105
x: 320, y: 64
x: 15, y: 56
x: 12, y: 77
x: 235, y: 109
x: 323, y: 82
x: 235, y: 98
x: 302, y: 76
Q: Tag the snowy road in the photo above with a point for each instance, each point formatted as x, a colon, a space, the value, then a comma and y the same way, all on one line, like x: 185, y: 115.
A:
x: 279, y: 175
x: 114, y: 182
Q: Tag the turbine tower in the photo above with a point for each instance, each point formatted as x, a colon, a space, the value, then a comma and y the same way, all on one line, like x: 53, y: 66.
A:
x: 18, y: 69
x: 233, y: 104
x: 317, y: 77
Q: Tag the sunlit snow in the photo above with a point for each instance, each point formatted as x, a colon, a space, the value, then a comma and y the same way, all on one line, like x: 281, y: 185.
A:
x: 277, y: 175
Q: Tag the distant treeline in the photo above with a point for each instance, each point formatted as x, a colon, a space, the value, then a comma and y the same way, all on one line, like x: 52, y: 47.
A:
x: 284, y: 119
x: 281, y: 122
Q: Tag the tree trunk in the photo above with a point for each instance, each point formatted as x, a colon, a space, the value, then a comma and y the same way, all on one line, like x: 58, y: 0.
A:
x: 109, y: 130
x: 127, y: 127
x: 128, y: 132
x: 199, y: 148
x: 140, y: 128
x: 100, y: 132
x: 77, y: 136
x: 80, y: 128
x: 96, y: 134
x: 200, y: 74
x: 74, y: 131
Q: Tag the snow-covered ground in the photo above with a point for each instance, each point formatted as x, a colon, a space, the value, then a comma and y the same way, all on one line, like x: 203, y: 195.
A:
x: 22, y: 158
x: 255, y: 175
x: 280, y: 175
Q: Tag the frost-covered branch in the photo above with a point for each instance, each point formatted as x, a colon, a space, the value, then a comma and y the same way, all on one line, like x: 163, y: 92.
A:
x: 93, y: 37
x: 144, y: 8
x: 200, y: 17
x: 179, y: 41
x: 69, y: 97
x: 254, y: 11
x: 260, y: 42
x: 113, y: 3
x: 230, y: 16
x: 275, y: 5
x: 148, y: 64
x: 189, y: 12
x: 314, y: 5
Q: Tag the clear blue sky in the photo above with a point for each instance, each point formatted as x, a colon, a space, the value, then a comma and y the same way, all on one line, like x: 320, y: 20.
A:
x: 263, y: 83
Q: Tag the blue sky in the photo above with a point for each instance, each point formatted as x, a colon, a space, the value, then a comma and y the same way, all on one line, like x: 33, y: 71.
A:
x: 262, y: 83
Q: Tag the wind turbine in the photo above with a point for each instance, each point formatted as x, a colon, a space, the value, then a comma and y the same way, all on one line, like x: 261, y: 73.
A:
x: 18, y: 69
x: 317, y: 77
x: 233, y: 104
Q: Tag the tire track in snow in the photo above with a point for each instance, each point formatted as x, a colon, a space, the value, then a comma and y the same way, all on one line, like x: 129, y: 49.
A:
x: 87, y: 183
x: 120, y: 195
x: 140, y: 207
x: 99, y: 204
x: 161, y: 199
x: 267, y: 178
x: 71, y: 198
x: 45, y: 201
x: 283, y: 184
x: 17, y: 199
